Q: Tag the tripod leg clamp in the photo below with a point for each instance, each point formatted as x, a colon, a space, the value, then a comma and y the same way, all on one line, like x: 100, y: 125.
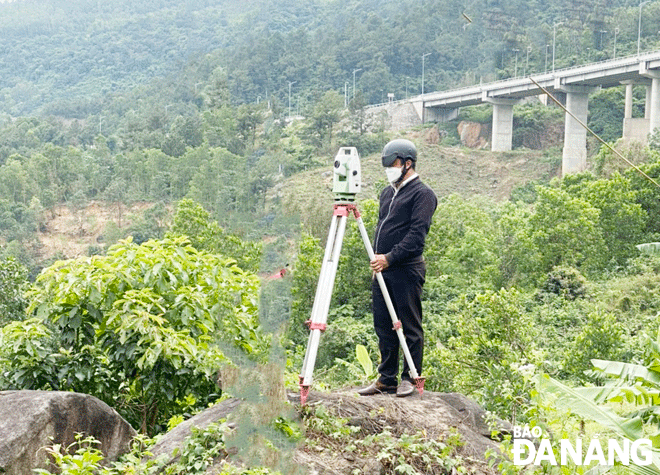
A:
x: 316, y: 326
x: 397, y: 325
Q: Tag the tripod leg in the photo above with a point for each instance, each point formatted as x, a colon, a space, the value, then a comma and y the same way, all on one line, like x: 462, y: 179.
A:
x: 419, y: 381
x: 321, y: 286
x: 322, y: 299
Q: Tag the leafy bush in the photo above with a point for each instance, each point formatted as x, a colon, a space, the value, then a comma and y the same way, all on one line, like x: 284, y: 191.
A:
x: 566, y: 231
x: 141, y: 328
x: 397, y: 453
x: 600, y: 338
x: 193, y: 221
x: 567, y: 282
x: 305, y: 278
x: 495, y: 338
x: 204, y: 450
x: 461, y: 243
x: 343, y: 333
x: 13, y: 283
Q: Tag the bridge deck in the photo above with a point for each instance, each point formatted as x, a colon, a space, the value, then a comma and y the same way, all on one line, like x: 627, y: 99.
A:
x: 602, y: 74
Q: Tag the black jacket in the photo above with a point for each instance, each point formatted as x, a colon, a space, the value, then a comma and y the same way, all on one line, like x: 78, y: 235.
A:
x: 404, y: 219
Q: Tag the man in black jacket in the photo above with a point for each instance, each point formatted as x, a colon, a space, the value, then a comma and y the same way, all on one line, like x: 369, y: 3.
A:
x: 404, y: 219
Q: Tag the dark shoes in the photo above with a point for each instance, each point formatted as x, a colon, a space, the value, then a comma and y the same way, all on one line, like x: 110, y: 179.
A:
x: 377, y: 388
x: 406, y: 388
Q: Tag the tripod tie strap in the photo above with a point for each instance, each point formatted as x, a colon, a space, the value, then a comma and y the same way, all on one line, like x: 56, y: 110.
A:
x: 316, y: 326
x: 345, y: 210
x: 397, y: 325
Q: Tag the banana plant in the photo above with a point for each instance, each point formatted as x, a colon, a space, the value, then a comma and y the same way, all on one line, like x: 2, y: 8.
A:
x: 633, y: 383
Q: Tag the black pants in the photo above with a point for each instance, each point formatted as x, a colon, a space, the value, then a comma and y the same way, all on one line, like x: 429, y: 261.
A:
x: 404, y: 284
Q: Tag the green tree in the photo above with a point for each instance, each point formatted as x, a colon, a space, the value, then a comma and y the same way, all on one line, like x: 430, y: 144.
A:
x: 606, y: 109
x: 461, y: 243
x: 327, y: 113
x: 621, y: 219
x: 519, y: 257
x: 193, y: 221
x: 248, y: 118
x: 636, y: 384
x: 219, y: 183
x: 566, y: 231
x: 648, y: 193
x: 143, y: 328
x: 116, y: 194
x: 601, y: 337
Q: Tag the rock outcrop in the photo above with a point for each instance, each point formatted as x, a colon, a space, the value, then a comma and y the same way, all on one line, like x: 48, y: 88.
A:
x: 176, y: 438
x: 31, y: 420
x: 473, y: 134
x: 438, y: 415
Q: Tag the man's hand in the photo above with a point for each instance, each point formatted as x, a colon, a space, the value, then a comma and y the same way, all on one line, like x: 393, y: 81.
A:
x: 379, y: 263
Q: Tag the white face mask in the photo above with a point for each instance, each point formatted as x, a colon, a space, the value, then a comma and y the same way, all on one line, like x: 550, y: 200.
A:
x: 393, y: 173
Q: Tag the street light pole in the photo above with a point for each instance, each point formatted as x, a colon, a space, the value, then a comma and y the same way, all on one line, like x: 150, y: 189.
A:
x: 291, y: 83
x: 545, y: 70
x: 423, y: 57
x: 601, y: 39
x: 355, y: 71
x: 554, y: 39
x: 515, y: 70
x: 639, y: 25
x: 616, y: 32
x: 529, y: 50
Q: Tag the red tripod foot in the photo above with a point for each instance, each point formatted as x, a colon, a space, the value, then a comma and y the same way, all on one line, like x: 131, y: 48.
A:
x: 304, y: 393
x: 419, y: 384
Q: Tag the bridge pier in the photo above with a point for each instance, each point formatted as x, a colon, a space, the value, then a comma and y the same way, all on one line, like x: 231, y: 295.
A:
x: 502, y: 133
x: 627, y: 108
x: 653, y: 102
x: 574, y: 155
x: 636, y: 128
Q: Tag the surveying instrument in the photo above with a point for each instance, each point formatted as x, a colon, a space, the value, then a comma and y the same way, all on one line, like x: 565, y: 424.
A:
x: 346, y: 183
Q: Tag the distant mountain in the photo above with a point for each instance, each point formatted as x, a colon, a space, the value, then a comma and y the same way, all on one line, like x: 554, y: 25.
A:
x: 67, y: 57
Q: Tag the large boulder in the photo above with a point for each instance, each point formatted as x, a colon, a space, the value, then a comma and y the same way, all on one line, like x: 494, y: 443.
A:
x: 31, y: 420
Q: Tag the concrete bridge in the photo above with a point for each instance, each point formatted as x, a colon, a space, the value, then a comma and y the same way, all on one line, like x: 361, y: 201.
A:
x: 572, y: 84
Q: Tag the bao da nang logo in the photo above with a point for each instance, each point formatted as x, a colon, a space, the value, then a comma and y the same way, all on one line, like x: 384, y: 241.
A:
x: 530, y: 447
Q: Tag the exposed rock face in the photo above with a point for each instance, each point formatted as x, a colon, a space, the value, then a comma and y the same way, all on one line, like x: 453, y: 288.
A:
x: 31, y: 420
x: 472, y: 134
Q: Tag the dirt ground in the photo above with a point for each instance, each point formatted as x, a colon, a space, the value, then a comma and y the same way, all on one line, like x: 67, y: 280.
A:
x: 69, y: 234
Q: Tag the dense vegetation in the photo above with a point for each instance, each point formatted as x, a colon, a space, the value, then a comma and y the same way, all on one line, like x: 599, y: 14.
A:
x: 77, y: 59
x: 186, y: 105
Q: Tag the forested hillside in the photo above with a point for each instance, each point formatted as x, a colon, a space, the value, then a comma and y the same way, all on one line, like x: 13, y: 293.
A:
x: 68, y: 58
x: 204, y: 130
